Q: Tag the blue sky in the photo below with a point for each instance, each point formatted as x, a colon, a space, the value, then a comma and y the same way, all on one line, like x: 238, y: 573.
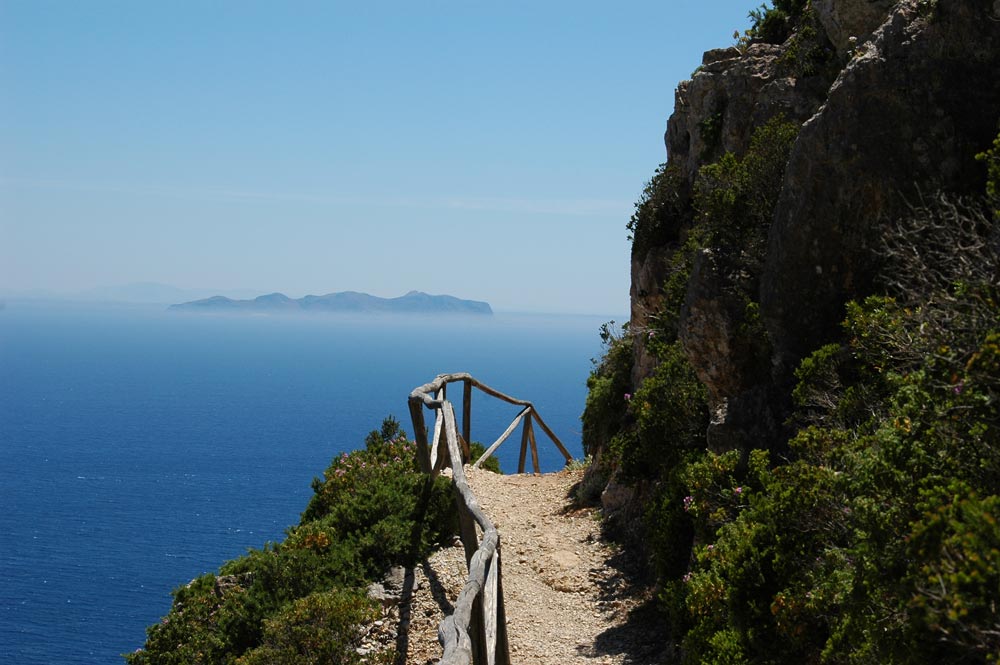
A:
x: 490, y: 151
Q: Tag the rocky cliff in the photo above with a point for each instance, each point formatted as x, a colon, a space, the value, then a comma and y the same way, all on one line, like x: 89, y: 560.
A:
x: 893, y: 99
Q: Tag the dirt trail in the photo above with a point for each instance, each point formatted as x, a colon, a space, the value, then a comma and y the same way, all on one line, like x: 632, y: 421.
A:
x: 567, y: 602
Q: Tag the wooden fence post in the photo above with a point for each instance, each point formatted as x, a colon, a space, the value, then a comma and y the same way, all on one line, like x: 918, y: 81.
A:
x: 524, y: 443
x: 534, y: 448
x: 420, y: 435
x: 467, y: 418
x: 502, y: 651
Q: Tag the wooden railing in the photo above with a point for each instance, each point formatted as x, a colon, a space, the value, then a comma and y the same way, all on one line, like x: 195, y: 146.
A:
x: 476, y: 632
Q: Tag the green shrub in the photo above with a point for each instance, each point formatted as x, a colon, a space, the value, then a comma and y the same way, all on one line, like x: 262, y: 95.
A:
x: 809, y: 52
x: 298, y: 600
x: 669, y: 533
x: 670, y: 412
x: 956, y: 572
x: 318, y: 629
x: 674, y: 289
x: 774, y: 24
x: 661, y: 211
x: 609, y: 388
x: 876, y: 539
x: 735, y: 197
x: 710, y: 128
x: 769, y: 24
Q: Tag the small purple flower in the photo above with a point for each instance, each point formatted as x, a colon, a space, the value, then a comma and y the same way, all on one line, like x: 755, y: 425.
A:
x: 686, y: 578
x: 652, y: 334
x: 738, y: 490
x: 688, y: 502
x: 711, y: 547
x: 628, y: 396
x: 959, y: 388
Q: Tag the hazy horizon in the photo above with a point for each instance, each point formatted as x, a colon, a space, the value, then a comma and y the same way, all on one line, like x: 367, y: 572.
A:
x: 124, y: 295
x: 490, y: 153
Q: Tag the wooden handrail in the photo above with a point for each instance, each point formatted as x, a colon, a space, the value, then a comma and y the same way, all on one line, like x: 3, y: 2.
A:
x: 476, y: 632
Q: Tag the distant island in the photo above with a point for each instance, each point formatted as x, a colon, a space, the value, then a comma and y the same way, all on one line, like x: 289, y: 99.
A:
x: 414, y: 302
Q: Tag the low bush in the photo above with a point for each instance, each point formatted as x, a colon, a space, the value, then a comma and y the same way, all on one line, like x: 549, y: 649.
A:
x: 670, y: 415
x: 609, y: 389
x: 774, y: 24
x: 301, y: 600
x: 320, y: 628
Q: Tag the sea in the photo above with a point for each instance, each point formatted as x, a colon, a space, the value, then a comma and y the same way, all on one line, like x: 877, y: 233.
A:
x: 140, y: 448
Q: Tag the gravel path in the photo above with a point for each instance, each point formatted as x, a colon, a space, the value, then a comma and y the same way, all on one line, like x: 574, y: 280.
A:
x: 567, y: 599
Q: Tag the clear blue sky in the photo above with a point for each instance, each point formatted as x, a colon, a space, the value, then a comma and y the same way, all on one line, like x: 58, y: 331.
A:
x: 310, y: 147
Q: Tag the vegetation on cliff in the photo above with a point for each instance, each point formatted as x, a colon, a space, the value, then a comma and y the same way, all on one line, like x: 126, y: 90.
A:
x: 873, y: 535
x: 303, y: 600
x: 837, y: 505
x: 875, y: 538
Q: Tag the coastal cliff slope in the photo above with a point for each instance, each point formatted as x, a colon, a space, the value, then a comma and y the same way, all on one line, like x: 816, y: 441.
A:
x: 799, y: 427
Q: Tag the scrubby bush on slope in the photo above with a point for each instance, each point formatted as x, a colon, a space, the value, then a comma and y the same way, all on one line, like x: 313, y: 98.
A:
x: 873, y: 537
x: 302, y: 600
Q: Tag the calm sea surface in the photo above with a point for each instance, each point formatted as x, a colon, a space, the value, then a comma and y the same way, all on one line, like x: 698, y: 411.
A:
x: 139, y: 449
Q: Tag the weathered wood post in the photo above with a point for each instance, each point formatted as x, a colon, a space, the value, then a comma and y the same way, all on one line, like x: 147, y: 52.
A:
x: 501, y: 644
x: 420, y: 433
x: 534, y: 449
x: 470, y: 541
x: 552, y: 436
x: 467, y: 418
x: 524, y: 443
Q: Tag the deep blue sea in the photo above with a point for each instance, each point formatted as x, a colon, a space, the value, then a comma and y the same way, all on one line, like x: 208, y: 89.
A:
x: 140, y: 449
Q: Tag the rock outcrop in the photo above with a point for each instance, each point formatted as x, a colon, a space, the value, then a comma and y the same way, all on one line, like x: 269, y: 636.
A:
x: 906, y: 94
x: 849, y: 23
x: 907, y: 115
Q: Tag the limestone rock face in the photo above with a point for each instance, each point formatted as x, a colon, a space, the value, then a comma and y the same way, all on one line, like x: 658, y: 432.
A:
x: 843, y: 19
x: 729, y: 95
x: 907, y: 111
x: 646, y: 299
x: 710, y: 318
x: 617, y: 497
x: 717, y: 111
x: 907, y: 114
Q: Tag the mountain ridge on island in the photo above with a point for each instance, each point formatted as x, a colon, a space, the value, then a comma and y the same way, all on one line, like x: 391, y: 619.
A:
x: 414, y: 302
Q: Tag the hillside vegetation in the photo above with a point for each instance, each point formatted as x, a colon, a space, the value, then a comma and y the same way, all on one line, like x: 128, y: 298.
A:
x: 302, y: 601
x: 800, y: 422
